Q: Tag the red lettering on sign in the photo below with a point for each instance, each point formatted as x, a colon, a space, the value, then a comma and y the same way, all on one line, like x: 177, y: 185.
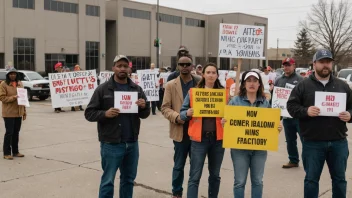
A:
x: 330, y: 98
x: 126, y: 97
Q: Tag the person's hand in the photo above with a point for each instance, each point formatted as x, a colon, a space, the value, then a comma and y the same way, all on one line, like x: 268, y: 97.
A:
x: 15, y: 97
x: 190, y: 112
x: 112, y: 112
x: 141, y: 103
x: 313, y: 111
x: 179, y: 121
x: 280, y: 128
x: 223, y: 121
x: 24, y: 117
x: 271, y: 87
x: 345, y: 116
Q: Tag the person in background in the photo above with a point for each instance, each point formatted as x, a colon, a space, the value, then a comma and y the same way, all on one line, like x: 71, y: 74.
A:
x: 251, y: 94
x: 182, y: 51
x: 199, y: 69
x: 154, y: 103
x: 206, y: 135
x: 12, y: 114
x: 324, y: 137
x: 175, y: 91
x: 161, y: 90
x: 130, y: 70
x: 118, y: 132
x: 58, y: 69
x: 267, y: 80
x: 288, y: 80
x: 77, y: 68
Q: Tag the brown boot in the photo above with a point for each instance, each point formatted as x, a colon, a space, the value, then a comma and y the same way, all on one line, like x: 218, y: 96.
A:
x: 18, y: 155
x: 8, y: 157
x: 290, y: 165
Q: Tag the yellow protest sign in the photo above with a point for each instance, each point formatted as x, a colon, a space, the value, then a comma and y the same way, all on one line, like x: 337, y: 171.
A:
x: 208, y: 102
x: 251, y: 128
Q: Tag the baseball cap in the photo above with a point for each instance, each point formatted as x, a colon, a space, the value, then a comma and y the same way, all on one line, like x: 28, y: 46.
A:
x: 182, y: 47
x: 199, y: 66
x: 251, y: 74
x: 120, y: 57
x: 291, y: 61
x: 321, y: 54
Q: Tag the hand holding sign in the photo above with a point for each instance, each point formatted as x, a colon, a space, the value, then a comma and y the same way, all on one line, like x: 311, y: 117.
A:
x: 141, y: 103
x: 190, y: 112
x: 112, y: 112
x: 345, y: 116
x: 313, y: 111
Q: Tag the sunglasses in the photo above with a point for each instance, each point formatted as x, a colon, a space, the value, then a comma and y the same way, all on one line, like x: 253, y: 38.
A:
x: 185, y: 64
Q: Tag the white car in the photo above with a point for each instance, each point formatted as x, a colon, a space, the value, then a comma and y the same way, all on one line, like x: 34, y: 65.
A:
x: 35, y: 84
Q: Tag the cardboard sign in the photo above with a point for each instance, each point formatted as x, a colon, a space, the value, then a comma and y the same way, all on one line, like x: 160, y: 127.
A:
x: 208, y: 102
x: 251, y: 128
x: 330, y: 103
x: 105, y: 76
x: 22, y: 97
x: 148, y: 80
x: 126, y: 101
x: 280, y: 98
x: 70, y: 89
x: 241, y: 41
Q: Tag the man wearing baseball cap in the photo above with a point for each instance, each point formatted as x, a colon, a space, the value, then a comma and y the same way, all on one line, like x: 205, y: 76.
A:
x: 118, y: 132
x: 324, y: 137
x: 288, y: 80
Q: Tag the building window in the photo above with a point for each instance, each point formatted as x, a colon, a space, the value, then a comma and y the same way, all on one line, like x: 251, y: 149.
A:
x: 133, y: 13
x: 92, y: 55
x: 195, y: 22
x: 173, y: 63
x: 2, y: 60
x: 213, y: 60
x: 169, y: 18
x: 59, y: 6
x: 27, y: 4
x: 24, y: 53
x: 92, y: 10
x: 140, y: 62
x: 67, y: 60
x: 225, y: 63
x: 200, y: 61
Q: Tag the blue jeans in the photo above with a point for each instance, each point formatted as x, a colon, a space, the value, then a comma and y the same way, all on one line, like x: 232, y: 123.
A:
x: 199, y: 150
x: 182, y: 150
x: 114, y: 156
x: 243, y: 160
x: 291, y: 127
x: 315, y: 153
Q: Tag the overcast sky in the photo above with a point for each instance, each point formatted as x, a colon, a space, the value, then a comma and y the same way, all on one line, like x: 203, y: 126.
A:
x: 283, y: 15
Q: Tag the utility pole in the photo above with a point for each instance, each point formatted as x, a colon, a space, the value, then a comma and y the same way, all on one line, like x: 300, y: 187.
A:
x: 277, y: 53
x: 157, y: 34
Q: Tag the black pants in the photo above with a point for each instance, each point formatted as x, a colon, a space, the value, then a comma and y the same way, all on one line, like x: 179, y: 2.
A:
x: 153, y: 106
x: 13, y: 127
x: 161, y: 98
x: 57, y: 109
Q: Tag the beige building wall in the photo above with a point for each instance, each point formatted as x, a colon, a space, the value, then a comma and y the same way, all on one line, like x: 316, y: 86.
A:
x: 2, y: 27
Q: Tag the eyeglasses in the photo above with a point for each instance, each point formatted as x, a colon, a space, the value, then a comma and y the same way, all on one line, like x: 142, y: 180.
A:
x: 184, y: 64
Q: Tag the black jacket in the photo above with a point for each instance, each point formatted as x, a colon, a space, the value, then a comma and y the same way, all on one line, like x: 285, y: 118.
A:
x: 320, y: 128
x: 109, y: 129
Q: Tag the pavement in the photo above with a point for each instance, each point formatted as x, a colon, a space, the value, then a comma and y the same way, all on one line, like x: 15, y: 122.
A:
x: 63, y: 160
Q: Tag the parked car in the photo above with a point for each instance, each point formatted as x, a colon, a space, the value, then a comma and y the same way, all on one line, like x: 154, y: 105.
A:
x: 35, y: 84
x: 343, y: 73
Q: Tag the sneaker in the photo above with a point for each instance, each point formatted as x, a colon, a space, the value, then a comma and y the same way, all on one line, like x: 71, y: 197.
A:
x: 8, y: 157
x: 73, y: 109
x: 81, y: 109
x: 290, y: 165
x: 18, y: 155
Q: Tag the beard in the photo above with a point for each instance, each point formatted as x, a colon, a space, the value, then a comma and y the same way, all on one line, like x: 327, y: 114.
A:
x: 122, y: 75
x: 322, y: 74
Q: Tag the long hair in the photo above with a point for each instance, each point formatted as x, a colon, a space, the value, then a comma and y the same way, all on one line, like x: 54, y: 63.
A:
x: 243, y: 91
x: 217, y: 84
x: 8, y: 81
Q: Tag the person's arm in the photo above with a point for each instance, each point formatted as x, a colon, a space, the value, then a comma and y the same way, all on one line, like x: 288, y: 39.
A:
x: 3, y: 95
x: 185, y: 106
x: 144, y: 112
x: 166, y: 107
x: 93, y: 112
x: 349, y: 101
x: 294, y: 103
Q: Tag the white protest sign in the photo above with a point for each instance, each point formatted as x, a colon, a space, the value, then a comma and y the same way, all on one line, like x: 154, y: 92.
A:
x: 241, y: 41
x: 330, y: 103
x: 134, y: 78
x: 148, y: 80
x: 163, y: 77
x: 105, y: 76
x: 289, y: 86
x: 126, y: 101
x: 70, y: 89
x: 22, y: 97
x: 280, y: 98
x: 222, y: 77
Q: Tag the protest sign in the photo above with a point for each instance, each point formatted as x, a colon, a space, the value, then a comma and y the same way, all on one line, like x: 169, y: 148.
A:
x: 208, y: 102
x: 72, y: 88
x: 222, y: 77
x: 241, y: 41
x: 134, y: 78
x: 22, y: 97
x: 105, y: 76
x: 126, y: 101
x: 280, y: 98
x: 251, y: 128
x: 330, y: 103
x: 148, y: 80
x: 163, y: 77
x: 289, y: 86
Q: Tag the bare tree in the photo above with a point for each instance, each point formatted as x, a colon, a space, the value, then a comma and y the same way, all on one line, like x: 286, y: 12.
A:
x: 329, y: 25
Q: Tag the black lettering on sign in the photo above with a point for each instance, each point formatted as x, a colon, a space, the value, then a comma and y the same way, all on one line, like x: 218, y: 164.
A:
x: 262, y: 124
x: 244, y: 123
x: 214, y: 112
x: 253, y: 132
x: 252, y: 141
x: 252, y: 113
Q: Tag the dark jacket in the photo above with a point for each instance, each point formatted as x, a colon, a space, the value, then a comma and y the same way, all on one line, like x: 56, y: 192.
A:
x: 173, y: 75
x: 320, y: 128
x: 109, y: 129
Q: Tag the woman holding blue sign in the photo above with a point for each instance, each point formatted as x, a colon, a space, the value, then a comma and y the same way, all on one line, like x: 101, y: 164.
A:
x: 206, y: 135
x: 251, y: 94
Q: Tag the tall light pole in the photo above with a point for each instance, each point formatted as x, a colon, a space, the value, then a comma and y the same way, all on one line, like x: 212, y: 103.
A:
x: 157, y: 34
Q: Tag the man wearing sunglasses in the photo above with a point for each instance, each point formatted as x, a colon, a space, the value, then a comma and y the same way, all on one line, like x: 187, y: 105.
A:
x: 289, y: 80
x: 182, y: 51
x: 175, y: 91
